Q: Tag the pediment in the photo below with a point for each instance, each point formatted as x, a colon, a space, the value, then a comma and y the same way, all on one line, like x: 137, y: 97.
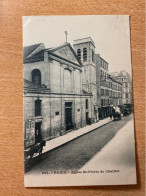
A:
x: 68, y: 53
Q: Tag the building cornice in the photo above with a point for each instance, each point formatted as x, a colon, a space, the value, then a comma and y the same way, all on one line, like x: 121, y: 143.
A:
x: 50, y: 93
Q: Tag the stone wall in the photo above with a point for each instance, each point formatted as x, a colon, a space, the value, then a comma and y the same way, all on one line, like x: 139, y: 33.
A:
x: 42, y: 66
x: 53, y: 112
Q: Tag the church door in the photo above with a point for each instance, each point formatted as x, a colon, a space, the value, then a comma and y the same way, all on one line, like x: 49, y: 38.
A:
x: 68, y: 115
x: 87, y: 118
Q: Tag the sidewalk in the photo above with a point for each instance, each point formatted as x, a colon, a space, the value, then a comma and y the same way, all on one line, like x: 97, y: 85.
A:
x: 116, y: 160
x: 54, y: 143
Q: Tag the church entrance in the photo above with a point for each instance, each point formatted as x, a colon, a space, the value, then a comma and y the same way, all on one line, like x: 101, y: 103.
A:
x: 87, y: 118
x: 68, y: 116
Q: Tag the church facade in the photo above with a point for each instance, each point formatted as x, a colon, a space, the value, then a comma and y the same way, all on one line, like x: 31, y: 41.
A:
x: 55, y: 101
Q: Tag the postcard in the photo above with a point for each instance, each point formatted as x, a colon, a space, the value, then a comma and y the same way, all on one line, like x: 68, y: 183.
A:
x: 78, y: 101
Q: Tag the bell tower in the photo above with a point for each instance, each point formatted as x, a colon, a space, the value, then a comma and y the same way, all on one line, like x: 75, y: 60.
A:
x: 85, y: 50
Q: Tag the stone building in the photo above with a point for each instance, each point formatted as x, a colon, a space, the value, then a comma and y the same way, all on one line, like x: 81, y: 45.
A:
x: 102, y: 77
x: 109, y: 90
x: 125, y: 78
x: 115, y: 92
x: 54, y: 100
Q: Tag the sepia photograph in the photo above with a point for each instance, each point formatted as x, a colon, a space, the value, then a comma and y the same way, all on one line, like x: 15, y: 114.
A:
x: 78, y: 101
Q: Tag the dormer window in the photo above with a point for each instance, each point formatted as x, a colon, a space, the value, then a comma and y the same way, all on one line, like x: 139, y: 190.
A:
x: 36, y: 76
x: 85, y: 54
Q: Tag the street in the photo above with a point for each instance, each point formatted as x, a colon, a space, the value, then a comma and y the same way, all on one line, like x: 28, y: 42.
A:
x: 75, y: 154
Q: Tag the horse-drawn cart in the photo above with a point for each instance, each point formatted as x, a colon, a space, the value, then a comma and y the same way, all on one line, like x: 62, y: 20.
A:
x: 35, y: 149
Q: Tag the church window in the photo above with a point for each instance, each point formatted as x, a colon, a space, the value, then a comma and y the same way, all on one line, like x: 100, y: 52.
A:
x: 85, y: 54
x: 79, y: 54
x: 86, y: 103
x: 36, y: 76
x: 38, y: 107
x: 93, y: 55
x: 67, y: 80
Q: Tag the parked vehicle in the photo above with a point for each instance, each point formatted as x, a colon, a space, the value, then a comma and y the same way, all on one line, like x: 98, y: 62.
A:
x: 127, y: 109
x: 116, y: 113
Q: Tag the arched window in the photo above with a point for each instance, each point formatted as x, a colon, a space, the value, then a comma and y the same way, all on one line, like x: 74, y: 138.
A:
x: 38, y: 107
x: 36, y: 76
x: 85, y: 54
x: 67, y: 80
x: 79, y: 54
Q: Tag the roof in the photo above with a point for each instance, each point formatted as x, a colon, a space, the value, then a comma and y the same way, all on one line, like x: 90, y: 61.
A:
x: 114, y: 79
x: 35, y: 53
x: 103, y: 60
x: 84, y: 40
x: 122, y: 74
x: 57, y: 47
x: 28, y: 51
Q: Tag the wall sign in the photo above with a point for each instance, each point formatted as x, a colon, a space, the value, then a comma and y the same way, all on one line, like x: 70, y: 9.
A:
x: 30, y: 133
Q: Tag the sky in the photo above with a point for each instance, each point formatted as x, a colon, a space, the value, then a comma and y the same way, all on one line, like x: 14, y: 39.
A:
x: 110, y: 33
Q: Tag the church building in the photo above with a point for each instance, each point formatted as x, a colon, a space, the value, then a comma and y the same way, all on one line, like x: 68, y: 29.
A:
x: 58, y: 97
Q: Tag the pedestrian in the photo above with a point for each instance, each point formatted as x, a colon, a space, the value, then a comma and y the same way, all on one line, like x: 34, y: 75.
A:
x: 37, y: 137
